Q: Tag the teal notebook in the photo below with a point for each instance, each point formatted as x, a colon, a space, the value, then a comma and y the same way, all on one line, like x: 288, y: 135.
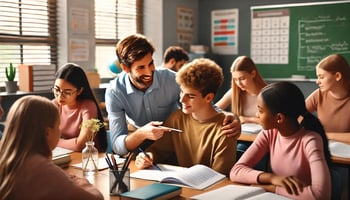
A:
x: 155, y: 191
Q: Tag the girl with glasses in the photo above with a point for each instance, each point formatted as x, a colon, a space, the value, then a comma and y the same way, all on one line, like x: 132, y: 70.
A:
x: 76, y: 103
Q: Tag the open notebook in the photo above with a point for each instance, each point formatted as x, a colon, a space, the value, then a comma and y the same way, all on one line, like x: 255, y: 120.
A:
x: 239, y: 192
x: 339, y: 149
x: 197, y: 176
x: 251, y: 128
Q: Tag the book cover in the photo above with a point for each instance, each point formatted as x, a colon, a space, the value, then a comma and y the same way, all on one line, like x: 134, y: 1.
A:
x: 25, y: 78
x: 238, y: 192
x: 196, y: 177
x: 156, y: 191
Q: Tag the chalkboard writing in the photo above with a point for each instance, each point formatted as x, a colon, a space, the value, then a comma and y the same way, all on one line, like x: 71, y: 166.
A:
x: 313, y: 32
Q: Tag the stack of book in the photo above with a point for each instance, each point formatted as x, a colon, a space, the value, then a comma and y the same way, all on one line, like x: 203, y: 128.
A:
x: 36, y: 78
x: 61, y: 156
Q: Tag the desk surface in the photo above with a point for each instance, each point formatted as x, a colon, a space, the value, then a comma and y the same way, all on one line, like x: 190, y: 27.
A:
x: 101, y: 180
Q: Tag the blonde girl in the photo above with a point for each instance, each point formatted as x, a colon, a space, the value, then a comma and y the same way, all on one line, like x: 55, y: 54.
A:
x: 26, y: 169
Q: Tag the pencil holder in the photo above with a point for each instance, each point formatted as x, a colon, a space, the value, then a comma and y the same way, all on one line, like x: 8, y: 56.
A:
x: 119, y: 181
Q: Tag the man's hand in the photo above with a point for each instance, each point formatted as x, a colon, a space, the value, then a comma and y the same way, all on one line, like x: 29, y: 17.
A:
x: 231, y: 126
x: 152, y: 131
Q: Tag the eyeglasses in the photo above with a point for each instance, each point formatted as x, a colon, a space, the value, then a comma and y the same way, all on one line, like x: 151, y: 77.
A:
x: 64, y: 93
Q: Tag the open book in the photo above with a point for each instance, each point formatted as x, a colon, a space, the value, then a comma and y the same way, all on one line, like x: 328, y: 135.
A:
x: 251, y: 128
x: 197, y: 177
x: 239, y: 192
x: 339, y: 149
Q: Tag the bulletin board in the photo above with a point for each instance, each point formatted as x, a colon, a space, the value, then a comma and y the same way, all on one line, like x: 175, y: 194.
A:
x: 291, y: 39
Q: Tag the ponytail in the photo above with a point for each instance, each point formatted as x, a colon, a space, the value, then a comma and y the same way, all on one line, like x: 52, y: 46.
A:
x: 310, y: 122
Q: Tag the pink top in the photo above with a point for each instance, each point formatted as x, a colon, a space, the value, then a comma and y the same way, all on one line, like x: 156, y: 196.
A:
x: 300, y: 155
x: 71, y: 118
x: 39, y: 178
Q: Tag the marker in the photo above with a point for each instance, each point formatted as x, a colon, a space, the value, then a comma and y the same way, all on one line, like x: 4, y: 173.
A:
x: 173, y: 129
x: 154, y: 164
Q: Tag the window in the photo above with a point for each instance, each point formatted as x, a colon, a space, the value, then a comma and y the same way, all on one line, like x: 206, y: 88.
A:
x: 114, y: 20
x: 28, y: 33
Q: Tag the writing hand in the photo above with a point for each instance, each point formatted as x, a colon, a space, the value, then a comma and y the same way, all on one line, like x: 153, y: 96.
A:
x: 142, y: 161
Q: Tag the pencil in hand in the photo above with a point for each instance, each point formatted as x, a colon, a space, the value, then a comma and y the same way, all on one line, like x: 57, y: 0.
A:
x: 153, y: 163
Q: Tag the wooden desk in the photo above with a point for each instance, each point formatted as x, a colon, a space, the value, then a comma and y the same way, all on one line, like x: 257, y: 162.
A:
x: 101, y: 180
x: 247, y: 137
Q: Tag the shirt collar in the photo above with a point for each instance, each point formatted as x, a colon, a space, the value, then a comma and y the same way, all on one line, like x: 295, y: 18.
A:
x: 131, y: 89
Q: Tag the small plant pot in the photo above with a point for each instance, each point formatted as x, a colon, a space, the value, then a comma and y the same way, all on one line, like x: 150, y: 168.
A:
x: 11, y: 86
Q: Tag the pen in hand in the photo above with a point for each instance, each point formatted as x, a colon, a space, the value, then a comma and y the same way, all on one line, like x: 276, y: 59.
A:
x: 154, y: 164
x: 172, y: 129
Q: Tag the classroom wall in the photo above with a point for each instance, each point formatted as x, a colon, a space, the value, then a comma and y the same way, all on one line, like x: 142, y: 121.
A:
x: 160, y: 26
x: 204, y: 10
x: 160, y: 23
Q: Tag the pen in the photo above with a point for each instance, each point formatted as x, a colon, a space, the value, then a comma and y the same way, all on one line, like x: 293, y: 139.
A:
x: 154, y: 164
x: 173, y: 129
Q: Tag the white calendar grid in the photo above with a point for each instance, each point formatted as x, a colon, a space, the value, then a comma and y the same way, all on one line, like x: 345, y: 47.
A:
x: 270, y: 36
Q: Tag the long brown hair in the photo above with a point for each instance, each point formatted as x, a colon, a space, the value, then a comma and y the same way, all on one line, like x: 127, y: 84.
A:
x: 336, y: 63
x: 24, y: 135
x: 243, y: 63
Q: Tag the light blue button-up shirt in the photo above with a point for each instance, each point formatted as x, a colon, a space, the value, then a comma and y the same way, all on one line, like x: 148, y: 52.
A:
x: 124, y: 101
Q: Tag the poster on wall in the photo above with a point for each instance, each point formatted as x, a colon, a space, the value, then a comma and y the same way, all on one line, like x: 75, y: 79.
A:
x: 79, y: 20
x: 224, y: 31
x: 185, y: 26
x: 78, y: 50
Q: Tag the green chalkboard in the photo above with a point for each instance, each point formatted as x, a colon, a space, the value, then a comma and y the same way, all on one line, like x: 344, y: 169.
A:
x: 291, y: 39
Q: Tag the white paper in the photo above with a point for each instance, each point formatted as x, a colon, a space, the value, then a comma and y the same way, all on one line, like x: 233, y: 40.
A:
x: 251, y: 128
x: 58, y: 151
x: 102, y: 164
x: 238, y: 192
x: 339, y: 149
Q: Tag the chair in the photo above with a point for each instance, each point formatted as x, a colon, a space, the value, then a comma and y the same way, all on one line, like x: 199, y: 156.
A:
x: 337, y: 186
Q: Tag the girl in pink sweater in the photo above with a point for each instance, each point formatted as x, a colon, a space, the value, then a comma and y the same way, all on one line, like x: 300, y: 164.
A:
x: 76, y: 102
x: 299, y: 154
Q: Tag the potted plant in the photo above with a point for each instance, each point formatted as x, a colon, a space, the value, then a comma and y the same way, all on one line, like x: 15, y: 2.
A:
x: 11, y: 85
